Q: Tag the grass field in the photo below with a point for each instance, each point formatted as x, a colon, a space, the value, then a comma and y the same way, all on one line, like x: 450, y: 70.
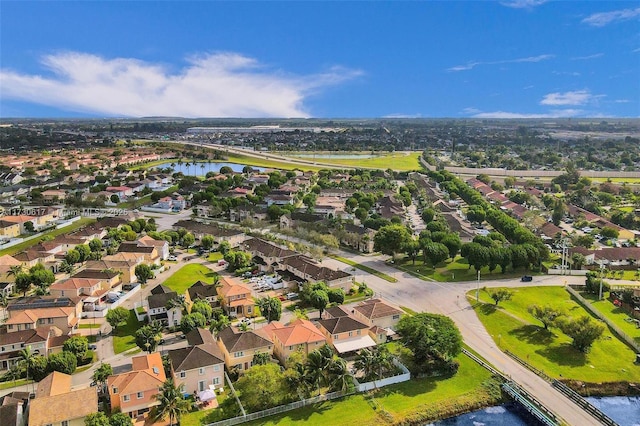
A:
x: 458, y: 270
x: 366, y: 269
x: 398, y: 161
x: 124, y: 337
x: 89, y: 325
x: 188, y: 275
x: 617, y: 315
x: 430, y: 398
x: 54, y: 233
x: 215, y: 256
x: 270, y: 164
x: 150, y: 164
x: 11, y: 383
x: 514, y: 329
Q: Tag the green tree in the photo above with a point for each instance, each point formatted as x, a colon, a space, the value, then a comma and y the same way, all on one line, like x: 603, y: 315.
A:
x: 120, y: 419
x: 609, y: 232
x: 500, y: 295
x: 42, y: 278
x: 476, y: 214
x: 430, y: 337
x: 577, y: 260
x: 583, y: 330
x: 476, y: 254
x: 188, y: 240
x: 96, y: 419
x: 77, y: 345
x: 147, y: 338
x: 117, y: 316
x: 84, y: 251
x: 452, y: 243
x: 203, y: 307
x: 374, y: 362
x: 172, y: 403
x: 143, y: 273
x: 95, y: 245
x: 546, y: 314
x: 319, y: 299
x: 39, y: 368
x: 64, y: 362
x: 391, y: 239
x: 270, y: 308
x: 262, y: 387
x: 101, y: 374
x: 207, y: 242
x: 435, y: 253
x: 23, y: 283
x: 336, y: 295
x: 261, y: 358
x: 412, y: 248
x: 339, y: 376
x: 192, y: 321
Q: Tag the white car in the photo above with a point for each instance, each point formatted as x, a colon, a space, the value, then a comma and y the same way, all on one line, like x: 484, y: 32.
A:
x: 173, y: 258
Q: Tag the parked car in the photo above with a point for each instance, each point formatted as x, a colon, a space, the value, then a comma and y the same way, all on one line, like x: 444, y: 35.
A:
x: 526, y: 278
x: 172, y: 258
x: 292, y: 296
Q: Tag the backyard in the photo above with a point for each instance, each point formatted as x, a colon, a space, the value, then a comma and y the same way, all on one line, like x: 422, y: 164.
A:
x: 514, y: 329
x: 614, y: 313
x: 188, y: 275
x: 124, y: 337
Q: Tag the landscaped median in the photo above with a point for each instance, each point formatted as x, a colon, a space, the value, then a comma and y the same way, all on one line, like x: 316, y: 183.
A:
x: 365, y: 268
x: 514, y: 329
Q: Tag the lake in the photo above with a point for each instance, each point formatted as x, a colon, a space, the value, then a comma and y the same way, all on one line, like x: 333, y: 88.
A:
x: 622, y: 409
x: 198, y: 170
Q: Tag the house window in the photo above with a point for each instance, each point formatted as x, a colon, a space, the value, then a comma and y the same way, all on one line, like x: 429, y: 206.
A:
x: 215, y: 381
x: 216, y: 367
x: 335, y: 337
x: 140, y: 395
x: 395, y: 317
x: 350, y: 333
x: 115, y: 390
x: 65, y: 423
x: 201, y: 371
x: 358, y: 332
x: 125, y: 398
x: 238, y: 354
x: 183, y: 374
x: 50, y: 320
x: 290, y: 348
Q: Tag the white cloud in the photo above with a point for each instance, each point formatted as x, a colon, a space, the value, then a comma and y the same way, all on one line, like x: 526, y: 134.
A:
x: 472, y: 65
x: 604, y: 18
x: 210, y: 85
x: 402, y: 115
x: 552, y: 114
x: 622, y: 101
x: 571, y: 73
x: 585, y: 58
x: 577, y: 97
x: 523, y: 4
x: 471, y: 110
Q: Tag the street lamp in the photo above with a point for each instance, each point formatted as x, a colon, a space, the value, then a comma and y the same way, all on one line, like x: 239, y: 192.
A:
x: 478, y: 288
x: 601, y: 272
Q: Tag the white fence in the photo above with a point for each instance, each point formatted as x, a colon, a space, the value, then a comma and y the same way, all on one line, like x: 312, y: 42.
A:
x: 103, y: 313
x: 574, y: 272
x: 406, y: 375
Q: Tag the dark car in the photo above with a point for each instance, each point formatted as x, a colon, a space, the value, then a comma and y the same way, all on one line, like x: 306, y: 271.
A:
x: 526, y: 278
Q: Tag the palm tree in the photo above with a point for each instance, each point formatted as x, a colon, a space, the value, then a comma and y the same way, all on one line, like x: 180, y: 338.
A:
x: 27, y: 357
x: 365, y: 363
x: 202, y: 167
x: 15, y: 270
x: 374, y: 363
x: 188, y: 165
x: 4, y: 302
x: 316, y: 366
x: 243, y: 326
x: 219, y: 324
x: 172, y: 403
x: 340, y: 378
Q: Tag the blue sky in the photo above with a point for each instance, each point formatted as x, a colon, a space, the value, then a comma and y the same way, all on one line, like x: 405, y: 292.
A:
x: 521, y: 58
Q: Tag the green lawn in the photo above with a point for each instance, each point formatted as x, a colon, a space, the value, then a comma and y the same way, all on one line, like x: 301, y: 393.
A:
x: 398, y: 161
x: 227, y: 408
x: 514, y: 329
x: 215, y: 256
x: 124, y: 337
x: 457, y: 270
x: 11, y: 383
x: 617, y: 315
x: 186, y: 276
x: 89, y: 325
x: 427, y: 399
x: 366, y: 269
x: 271, y: 164
x: 54, y: 233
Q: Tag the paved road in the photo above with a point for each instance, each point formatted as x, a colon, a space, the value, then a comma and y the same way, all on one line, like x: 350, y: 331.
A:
x: 449, y: 299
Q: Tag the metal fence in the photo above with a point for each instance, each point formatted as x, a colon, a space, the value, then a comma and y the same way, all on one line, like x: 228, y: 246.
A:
x: 624, y: 336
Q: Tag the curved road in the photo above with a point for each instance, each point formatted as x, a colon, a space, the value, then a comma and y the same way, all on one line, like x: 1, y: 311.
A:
x: 450, y: 299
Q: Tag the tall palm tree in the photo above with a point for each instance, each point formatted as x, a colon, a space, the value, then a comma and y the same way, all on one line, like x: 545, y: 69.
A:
x: 340, y: 378
x: 27, y: 357
x: 202, y: 167
x: 172, y: 403
x: 365, y: 363
x: 15, y: 270
x: 188, y: 165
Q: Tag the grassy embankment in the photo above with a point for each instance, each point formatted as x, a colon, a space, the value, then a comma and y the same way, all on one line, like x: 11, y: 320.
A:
x: 514, y: 329
x: 186, y: 276
x: 54, y: 233
x: 124, y: 337
x: 617, y: 315
x: 365, y: 268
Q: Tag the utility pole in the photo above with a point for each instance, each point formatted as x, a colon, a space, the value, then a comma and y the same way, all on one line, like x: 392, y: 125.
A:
x: 478, y: 288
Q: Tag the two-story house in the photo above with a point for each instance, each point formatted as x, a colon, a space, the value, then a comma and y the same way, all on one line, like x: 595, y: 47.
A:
x: 78, y: 287
x: 55, y: 404
x: 200, y: 365
x: 239, y: 347
x: 161, y: 307
x: 346, y: 334
x: 378, y: 313
x: 6, y: 262
x: 44, y: 311
x: 298, y: 336
x: 11, y: 344
x: 202, y: 291
x: 161, y: 246
x: 236, y: 298
x: 149, y: 253
x: 134, y: 393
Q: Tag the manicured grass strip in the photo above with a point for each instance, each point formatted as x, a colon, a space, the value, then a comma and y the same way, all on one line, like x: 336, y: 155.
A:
x: 366, y: 269
x: 10, y: 384
x: 188, y: 275
x: 215, y: 256
x: 89, y: 325
x: 150, y: 164
x: 514, y: 329
x: 615, y: 314
x: 398, y: 161
x: 124, y: 337
x: 270, y: 164
x: 418, y: 400
x: 54, y: 233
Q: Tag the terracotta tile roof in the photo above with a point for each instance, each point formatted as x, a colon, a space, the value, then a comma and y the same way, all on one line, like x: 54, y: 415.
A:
x: 297, y: 332
x: 68, y: 406
x: 75, y: 283
x: 55, y: 383
x: 231, y: 287
x: 7, y: 260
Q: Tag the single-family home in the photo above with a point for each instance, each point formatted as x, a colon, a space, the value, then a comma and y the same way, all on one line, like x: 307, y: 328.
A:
x: 378, y: 313
x: 161, y: 246
x: 162, y: 306
x: 200, y: 365
x: 239, y: 347
x: 202, y: 291
x: 299, y: 335
x: 235, y: 298
x: 13, y: 408
x: 134, y: 393
x: 346, y: 334
x: 55, y: 404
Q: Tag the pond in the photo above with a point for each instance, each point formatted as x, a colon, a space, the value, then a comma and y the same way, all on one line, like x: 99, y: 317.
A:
x: 201, y: 169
